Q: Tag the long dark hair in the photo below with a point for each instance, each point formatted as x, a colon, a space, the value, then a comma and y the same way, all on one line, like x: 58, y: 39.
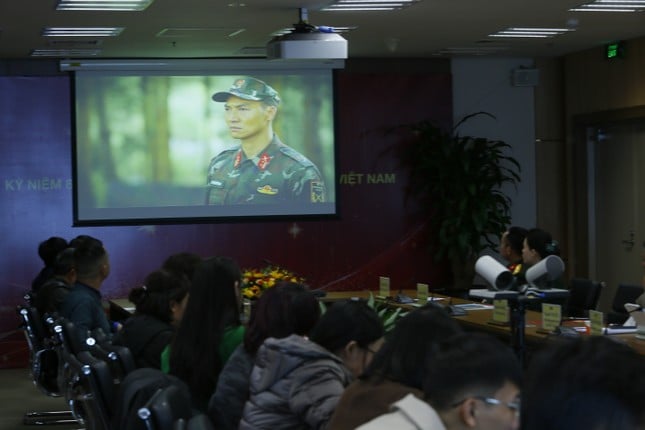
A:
x: 288, y: 308
x: 408, y: 346
x: 212, y: 308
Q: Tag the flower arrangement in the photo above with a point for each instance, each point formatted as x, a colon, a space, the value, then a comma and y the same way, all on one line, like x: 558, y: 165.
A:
x: 255, y: 281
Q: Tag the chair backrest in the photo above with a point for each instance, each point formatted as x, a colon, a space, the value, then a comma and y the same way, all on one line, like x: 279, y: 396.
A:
x: 134, y: 392
x: 196, y: 422
x: 583, y: 296
x: 43, y: 357
x: 625, y: 293
x: 165, y: 407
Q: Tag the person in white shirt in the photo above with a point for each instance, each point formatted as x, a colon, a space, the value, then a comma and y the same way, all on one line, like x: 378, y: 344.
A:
x: 471, y: 382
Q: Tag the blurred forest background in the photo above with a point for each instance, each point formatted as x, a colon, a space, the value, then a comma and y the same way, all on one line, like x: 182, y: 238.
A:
x: 148, y: 140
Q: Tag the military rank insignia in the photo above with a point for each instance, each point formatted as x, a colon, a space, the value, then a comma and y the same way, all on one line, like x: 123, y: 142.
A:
x: 268, y: 190
x: 317, y: 192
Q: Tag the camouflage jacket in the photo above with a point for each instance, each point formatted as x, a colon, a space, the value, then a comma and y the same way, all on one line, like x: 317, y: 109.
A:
x: 277, y: 174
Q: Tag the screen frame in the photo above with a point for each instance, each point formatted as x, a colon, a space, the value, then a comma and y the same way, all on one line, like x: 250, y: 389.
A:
x: 200, y: 67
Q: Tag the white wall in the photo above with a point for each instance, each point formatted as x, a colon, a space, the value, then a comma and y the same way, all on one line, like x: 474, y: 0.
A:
x: 482, y: 84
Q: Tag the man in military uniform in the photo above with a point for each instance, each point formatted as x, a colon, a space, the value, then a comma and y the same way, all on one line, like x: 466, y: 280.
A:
x: 262, y: 169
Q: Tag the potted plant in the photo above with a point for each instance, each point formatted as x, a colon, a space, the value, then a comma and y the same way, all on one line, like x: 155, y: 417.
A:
x: 456, y: 181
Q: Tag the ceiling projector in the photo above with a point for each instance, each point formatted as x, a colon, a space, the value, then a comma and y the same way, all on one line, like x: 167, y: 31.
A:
x: 307, y: 42
x: 307, y: 46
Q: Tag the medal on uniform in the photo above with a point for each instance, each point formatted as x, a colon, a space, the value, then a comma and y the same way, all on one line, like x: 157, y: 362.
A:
x: 268, y: 190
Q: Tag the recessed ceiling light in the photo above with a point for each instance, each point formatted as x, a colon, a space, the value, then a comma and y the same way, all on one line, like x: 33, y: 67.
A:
x: 82, y: 31
x: 528, y: 32
x: 112, y: 5
x: 611, y: 6
x: 368, y: 5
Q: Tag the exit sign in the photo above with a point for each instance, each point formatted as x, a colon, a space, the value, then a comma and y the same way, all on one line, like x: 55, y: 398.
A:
x: 615, y: 50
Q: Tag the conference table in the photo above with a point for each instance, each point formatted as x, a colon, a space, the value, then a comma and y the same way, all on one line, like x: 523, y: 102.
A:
x: 477, y: 317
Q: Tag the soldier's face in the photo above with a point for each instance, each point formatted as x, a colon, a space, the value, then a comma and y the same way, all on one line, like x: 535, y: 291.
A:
x: 247, y: 118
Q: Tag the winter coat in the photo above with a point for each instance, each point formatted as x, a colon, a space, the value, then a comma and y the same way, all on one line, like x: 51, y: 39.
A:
x: 295, y: 384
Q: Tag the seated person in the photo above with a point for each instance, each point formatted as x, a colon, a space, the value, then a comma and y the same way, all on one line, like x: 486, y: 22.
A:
x: 472, y: 381
x: 82, y: 305
x: 53, y: 292
x: 510, y: 248
x: 47, y: 251
x: 538, y: 245
x: 183, y: 263
x: 209, y: 330
x: 287, y: 308
x: 589, y: 382
x: 397, y: 369
x: 296, y: 382
x: 160, y: 304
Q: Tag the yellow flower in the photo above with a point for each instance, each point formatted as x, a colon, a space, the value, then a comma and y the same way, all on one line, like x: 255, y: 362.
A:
x: 254, y: 281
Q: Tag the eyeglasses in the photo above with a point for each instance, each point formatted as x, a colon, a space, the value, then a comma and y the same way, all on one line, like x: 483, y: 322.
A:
x: 513, y: 406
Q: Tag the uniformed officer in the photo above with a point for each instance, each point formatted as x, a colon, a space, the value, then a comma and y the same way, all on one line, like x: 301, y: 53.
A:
x: 262, y: 169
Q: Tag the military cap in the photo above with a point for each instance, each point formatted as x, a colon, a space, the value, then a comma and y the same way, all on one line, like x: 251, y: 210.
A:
x: 249, y: 88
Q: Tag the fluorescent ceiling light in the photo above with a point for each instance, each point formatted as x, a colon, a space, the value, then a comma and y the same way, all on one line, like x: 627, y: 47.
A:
x: 528, y: 32
x: 82, y: 31
x: 611, y: 6
x: 65, y: 52
x: 368, y: 5
x: 111, y: 5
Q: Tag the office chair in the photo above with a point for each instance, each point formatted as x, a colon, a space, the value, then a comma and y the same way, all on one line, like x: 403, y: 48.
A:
x: 44, y: 367
x: 165, y: 408
x: 583, y: 296
x: 197, y: 422
x: 625, y: 293
x: 118, y: 357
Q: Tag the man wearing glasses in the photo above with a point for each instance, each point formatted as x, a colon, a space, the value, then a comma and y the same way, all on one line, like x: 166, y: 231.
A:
x: 472, y: 382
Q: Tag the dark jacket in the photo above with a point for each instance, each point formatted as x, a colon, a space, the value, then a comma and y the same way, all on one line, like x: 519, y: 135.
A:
x: 83, y: 307
x: 146, y: 337
x: 365, y: 400
x: 51, y: 296
x: 295, y: 384
x: 227, y: 403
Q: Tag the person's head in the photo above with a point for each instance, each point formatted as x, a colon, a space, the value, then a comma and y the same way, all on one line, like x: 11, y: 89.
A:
x: 590, y: 382
x: 287, y: 308
x: 50, y: 248
x: 64, y: 266
x: 250, y: 106
x: 473, y: 381
x: 538, y: 244
x: 182, y: 263
x: 92, y: 262
x: 408, y: 345
x: 511, y: 244
x: 213, y: 307
x: 351, y: 330
x: 163, y: 296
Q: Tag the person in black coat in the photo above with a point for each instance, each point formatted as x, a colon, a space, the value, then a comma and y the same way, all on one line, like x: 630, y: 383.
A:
x: 159, y: 303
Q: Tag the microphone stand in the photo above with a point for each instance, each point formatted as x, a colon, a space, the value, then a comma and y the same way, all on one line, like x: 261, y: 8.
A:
x: 518, y: 326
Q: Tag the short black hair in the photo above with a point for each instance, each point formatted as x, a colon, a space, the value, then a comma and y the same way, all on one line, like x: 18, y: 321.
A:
x: 50, y: 248
x: 182, y: 263
x: 88, y: 256
x: 64, y: 262
x: 409, y: 344
x: 515, y: 237
x: 346, y: 321
x: 466, y: 365
x: 589, y: 382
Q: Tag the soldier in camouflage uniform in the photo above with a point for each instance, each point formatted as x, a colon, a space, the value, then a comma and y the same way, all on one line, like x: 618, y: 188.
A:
x: 262, y: 169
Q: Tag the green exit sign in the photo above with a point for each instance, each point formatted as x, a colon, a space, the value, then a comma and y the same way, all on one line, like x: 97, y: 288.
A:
x: 615, y: 50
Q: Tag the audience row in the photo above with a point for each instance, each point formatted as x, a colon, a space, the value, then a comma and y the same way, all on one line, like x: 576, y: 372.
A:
x: 298, y: 364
